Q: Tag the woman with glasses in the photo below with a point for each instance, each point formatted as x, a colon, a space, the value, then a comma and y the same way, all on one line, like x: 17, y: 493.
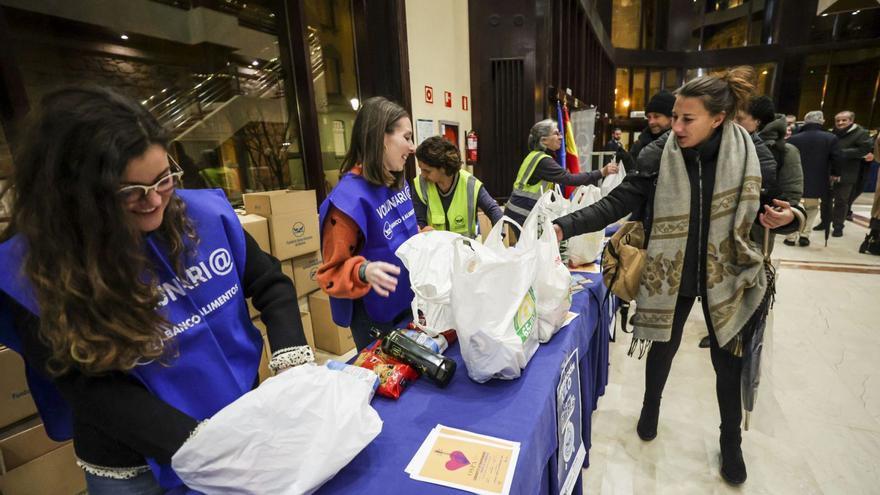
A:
x: 126, y: 296
x: 539, y: 171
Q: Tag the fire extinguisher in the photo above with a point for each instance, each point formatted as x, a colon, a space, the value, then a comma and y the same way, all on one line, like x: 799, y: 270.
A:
x: 471, y: 147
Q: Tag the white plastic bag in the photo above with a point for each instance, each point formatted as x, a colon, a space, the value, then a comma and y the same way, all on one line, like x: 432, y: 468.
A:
x: 428, y: 257
x: 552, y: 279
x: 585, y: 248
x: 613, y: 180
x: 494, y: 305
x: 288, y: 436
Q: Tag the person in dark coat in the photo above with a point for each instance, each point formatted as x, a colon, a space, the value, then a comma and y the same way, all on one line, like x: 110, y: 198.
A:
x: 614, y: 143
x: 820, y: 159
x: 659, y: 115
x: 708, y: 151
x: 855, y: 145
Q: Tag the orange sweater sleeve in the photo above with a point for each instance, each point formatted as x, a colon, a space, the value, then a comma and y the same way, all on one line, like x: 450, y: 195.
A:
x: 338, y: 274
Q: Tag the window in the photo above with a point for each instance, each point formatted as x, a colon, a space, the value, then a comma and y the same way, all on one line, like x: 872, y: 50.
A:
x: 331, y: 41
x: 655, y: 81
x: 622, y: 101
x: 638, y: 90
x: 218, y: 88
x: 626, y: 23
x: 672, y: 79
x: 764, y: 74
x: 725, y: 35
x: 812, y: 82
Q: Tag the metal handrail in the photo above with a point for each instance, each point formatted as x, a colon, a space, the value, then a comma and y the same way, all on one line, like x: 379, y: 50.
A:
x: 174, y: 108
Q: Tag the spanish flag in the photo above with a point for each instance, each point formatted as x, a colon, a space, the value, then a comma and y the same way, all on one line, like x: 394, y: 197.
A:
x: 571, y: 151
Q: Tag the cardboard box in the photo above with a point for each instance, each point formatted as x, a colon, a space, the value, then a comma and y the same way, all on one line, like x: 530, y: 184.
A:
x: 294, y: 234
x: 258, y: 228
x: 305, y: 270
x: 307, y: 328
x: 293, y: 220
x: 23, y: 443
x: 33, y: 464
x: 271, y: 203
x: 15, y: 397
x: 264, y: 371
x: 328, y: 336
x: 485, y: 225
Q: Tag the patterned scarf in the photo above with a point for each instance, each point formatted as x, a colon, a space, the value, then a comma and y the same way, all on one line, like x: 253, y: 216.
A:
x: 735, y: 280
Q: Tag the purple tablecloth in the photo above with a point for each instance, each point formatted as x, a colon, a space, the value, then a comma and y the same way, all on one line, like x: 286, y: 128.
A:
x: 522, y: 410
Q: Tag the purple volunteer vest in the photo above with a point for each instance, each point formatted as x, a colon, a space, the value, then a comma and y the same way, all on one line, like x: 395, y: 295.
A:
x: 387, y: 219
x: 218, y: 347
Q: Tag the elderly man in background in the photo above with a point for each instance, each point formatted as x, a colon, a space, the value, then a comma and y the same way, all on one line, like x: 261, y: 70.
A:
x: 820, y: 159
x: 856, y: 146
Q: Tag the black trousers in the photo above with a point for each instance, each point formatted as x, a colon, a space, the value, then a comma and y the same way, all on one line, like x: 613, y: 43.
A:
x: 841, y: 195
x: 825, y: 208
x: 728, y: 368
x: 859, y: 186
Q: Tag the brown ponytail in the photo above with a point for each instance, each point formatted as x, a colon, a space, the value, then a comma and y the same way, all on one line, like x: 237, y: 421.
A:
x: 726, y: 91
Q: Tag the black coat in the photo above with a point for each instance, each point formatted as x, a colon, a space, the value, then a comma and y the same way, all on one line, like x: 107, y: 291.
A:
x: 636, y: 193
x: 820, y: 156
x: 645, y: 138
x: 855, y: 143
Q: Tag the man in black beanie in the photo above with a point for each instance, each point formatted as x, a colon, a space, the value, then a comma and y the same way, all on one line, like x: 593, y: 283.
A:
x: 659, y: 115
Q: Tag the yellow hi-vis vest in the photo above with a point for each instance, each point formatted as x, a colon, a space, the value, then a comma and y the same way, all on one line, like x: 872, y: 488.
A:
x: 524, y: 193
x: 461, y: 217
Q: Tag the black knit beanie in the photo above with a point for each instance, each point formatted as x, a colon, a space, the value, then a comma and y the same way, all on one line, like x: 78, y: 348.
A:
x: 662, y: 102
x: 762, y: 109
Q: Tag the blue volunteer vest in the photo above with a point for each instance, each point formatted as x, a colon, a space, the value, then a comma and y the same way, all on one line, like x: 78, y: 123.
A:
x: 387, y: 219
x: 218, y: 347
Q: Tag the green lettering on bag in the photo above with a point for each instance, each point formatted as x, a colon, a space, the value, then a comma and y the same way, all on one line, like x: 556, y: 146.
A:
x: 524, y: 319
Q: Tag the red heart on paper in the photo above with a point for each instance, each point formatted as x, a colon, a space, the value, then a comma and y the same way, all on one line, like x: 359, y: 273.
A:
x: 457, y: 460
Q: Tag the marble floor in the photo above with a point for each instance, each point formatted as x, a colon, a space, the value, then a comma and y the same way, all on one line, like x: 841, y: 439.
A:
x: 816, y: 428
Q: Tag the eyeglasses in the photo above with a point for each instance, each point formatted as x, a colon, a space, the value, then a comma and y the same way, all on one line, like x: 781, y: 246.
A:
x: 136, y: 192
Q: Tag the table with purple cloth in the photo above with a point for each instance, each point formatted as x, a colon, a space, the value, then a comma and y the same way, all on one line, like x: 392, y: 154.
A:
x: 521, y: 410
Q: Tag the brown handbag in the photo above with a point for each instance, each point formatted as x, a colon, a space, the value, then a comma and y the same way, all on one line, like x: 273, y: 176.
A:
x: 624, y: 259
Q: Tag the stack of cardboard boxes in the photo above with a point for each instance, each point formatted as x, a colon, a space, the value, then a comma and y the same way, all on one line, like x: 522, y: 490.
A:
x: 285, y: 224
x: 30, y: 462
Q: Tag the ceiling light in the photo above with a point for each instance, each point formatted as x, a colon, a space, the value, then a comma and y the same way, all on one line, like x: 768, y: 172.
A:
x: 124, y: 36
x: 825, y: 14
x: 856, y: 12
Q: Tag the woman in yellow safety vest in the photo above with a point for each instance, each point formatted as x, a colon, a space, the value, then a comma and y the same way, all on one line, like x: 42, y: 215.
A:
x: 447, y: 197
x: 539, y: 171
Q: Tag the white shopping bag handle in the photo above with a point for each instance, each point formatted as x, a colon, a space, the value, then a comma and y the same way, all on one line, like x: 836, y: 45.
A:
x: 494, y: 237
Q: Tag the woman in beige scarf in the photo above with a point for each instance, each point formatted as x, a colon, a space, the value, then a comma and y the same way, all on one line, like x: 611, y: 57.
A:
x: 697, y: 191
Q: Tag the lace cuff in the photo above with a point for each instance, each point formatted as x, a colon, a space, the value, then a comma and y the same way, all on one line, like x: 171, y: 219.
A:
x: 290, y: 357
x: 116, y: 473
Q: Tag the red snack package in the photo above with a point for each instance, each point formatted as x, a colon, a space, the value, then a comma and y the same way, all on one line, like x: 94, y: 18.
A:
x: 394, y: 376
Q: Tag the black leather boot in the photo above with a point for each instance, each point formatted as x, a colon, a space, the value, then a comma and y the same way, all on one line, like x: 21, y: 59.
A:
x: 647, y: 427
x: 733, y: 467
x: 871, y: 244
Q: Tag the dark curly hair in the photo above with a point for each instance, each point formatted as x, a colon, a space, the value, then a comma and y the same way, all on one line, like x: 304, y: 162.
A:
x: 86, y: 261
x: 438, y: 152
